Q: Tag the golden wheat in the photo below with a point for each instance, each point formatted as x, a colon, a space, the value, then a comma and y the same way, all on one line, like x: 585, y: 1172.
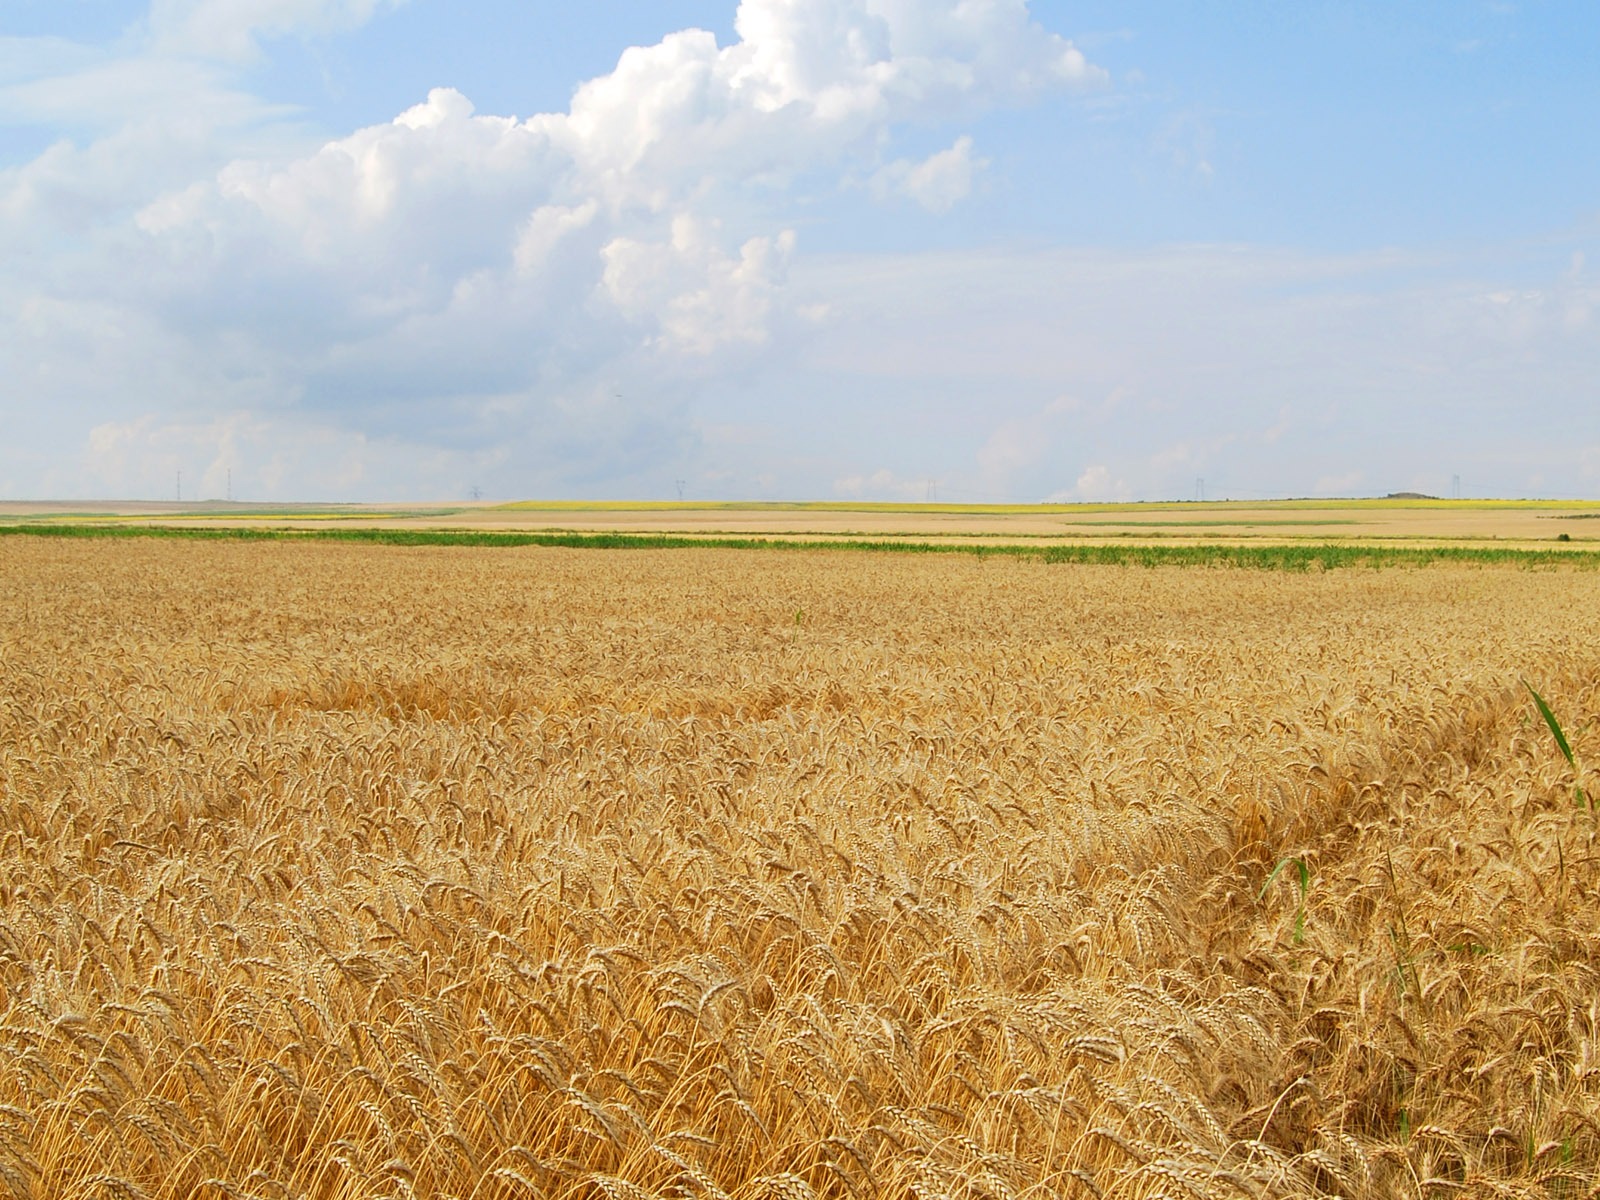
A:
x: 335, y: 871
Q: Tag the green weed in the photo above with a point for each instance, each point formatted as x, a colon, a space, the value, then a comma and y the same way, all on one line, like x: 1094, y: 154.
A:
x: 1304, y: 873
x: 1564, y: 746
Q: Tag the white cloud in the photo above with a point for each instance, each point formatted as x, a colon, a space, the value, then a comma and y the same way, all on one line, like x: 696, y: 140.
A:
x: 938, y: 183
x: 700, y: 297
x: 567, y: 301
x: 843, y: 57
x: 544, y: 232
x: 451, y: 276
x: 807, y: 84
x: 232, y: 29
x: 1276, y: 370
x: 103, y: 91
x: 1095, y: 484
x: 406, y: 210
x: 884, y: 484
x: 129, y: 128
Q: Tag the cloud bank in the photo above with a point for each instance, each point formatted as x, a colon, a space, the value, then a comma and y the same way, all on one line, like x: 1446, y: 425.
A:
x: 1245, y: 372
x: 611, y: 298
x: 542, y: 293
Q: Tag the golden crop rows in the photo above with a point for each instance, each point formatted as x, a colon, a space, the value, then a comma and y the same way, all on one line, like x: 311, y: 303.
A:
x: 341, y: 871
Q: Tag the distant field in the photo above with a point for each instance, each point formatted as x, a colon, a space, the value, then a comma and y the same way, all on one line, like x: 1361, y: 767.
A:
x: 339, y: 870
x: 1528, y: 524
x: 1217, y: 552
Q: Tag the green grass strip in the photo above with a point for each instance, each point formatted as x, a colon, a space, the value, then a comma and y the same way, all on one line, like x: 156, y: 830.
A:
x: 1298, y: 557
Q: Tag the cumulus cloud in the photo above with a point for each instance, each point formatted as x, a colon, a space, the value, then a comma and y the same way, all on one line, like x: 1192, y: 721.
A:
x: 699, y: 296
x: 938, y: 183
x: 1095, y: 484
x: 459, y: 277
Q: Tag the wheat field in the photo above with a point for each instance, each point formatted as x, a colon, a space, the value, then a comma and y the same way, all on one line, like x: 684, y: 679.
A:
x: 348, y: 871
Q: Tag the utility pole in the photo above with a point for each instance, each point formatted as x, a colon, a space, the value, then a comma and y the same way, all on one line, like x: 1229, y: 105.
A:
x: 1200, y: 490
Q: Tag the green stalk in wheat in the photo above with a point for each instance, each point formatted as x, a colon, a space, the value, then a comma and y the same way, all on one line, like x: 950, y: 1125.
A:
x: 1565, y: 747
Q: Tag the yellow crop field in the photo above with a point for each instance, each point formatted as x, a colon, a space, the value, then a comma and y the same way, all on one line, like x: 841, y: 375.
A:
x: 1495, y: 525
x: 339, y: 871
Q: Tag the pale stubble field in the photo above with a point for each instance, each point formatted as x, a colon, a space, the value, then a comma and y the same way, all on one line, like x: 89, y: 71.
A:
x: 349, y: 871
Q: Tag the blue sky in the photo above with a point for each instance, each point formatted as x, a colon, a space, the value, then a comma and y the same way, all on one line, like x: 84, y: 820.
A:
x: 366, y: 249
